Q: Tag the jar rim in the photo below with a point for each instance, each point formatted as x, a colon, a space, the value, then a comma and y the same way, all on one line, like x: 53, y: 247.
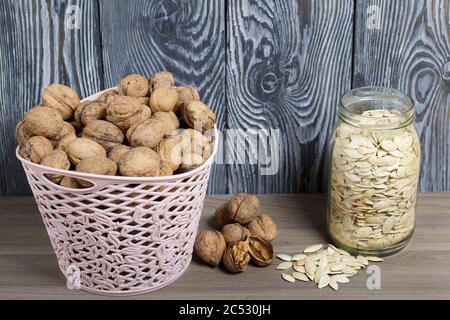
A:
x: 365, y: 98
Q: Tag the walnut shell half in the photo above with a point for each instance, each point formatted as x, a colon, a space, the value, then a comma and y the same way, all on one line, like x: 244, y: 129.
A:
x: 261, y: 251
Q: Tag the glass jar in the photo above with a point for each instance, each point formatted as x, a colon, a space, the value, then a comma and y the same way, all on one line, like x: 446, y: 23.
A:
x: 375, y: 163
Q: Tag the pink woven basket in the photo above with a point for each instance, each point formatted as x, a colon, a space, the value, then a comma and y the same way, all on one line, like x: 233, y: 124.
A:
x: 123, y: 235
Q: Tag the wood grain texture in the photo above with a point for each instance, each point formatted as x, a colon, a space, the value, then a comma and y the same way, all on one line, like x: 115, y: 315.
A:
x: 29, y: 268
x: 410, y: 51
x: 288, y: 62
x: 38, y: 48
x: 184, y: 37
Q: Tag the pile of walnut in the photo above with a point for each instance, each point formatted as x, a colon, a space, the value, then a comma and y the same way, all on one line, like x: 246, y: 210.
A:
x: 245, y: 236
x: 148, y: 127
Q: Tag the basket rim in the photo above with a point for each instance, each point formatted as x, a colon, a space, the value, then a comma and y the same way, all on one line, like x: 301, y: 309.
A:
x: 124, y: 179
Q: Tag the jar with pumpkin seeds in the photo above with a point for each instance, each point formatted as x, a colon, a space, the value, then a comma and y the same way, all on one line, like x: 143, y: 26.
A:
x: 375, y: 164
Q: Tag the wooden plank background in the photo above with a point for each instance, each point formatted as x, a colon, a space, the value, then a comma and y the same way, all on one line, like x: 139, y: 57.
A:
x: 260, y: 64
x: 410, y: 51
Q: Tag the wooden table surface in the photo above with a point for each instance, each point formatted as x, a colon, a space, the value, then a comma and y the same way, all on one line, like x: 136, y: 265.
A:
x: 28, y: 267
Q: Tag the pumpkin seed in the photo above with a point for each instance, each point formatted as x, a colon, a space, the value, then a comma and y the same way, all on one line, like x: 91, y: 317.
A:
x: 326, y: 267
x: 333, y: 284
x: 298, y: 256
x: 284, y: 265
x: 284, y: 257
x: 340, y: 278
x: 324, y: 281
x: 374, y: 182
x: 313, y: 248
x: 299, y: 268
x: 300, y: 276
x: 374, y: 259
x: 287, y: 277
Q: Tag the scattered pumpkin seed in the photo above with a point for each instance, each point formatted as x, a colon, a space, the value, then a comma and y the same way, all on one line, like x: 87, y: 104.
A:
x: 287, y: 277
x: 326, y: 267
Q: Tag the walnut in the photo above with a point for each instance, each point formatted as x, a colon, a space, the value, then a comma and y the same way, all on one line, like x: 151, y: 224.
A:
x: 190, y: 161
x: 105, y: 95
x: 139, y: 162
x: 36, y: 149
x: 209, y: 247
x: 236, y: 257
x: 23, y: 133
x: 170, y: 151
x: 104, y: 133
x: 125, y: 111
x: 243, y: 208
x: 69, y: 182
x: 90, y: 111
x: 66, y: 135
x: 222, y: 216
x: 163, y: 99
x: 264, y: 227
x: 185, y: 94
x: 234, y: 232
x: 146, y: 134
x: 118, y: 151
x: 143, y: 100
x: 56, y: 159
x: 77, y: 126
x: 96, y: 165
x: 261, y: 251
x: 198, y: 116
x: 134, y: 85
x: 165, y: 169
x: 81, y: 148
x: 169, y: 120
x: 44, y: 121
x: 193, y: 142
x: 161, y: 79
x: 61, y: 98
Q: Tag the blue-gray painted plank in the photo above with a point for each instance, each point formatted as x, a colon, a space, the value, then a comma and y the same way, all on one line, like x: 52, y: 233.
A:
x: 408, y: 48
x: 184, y: 37
x: 40, y: 45
x: 288, y: 64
